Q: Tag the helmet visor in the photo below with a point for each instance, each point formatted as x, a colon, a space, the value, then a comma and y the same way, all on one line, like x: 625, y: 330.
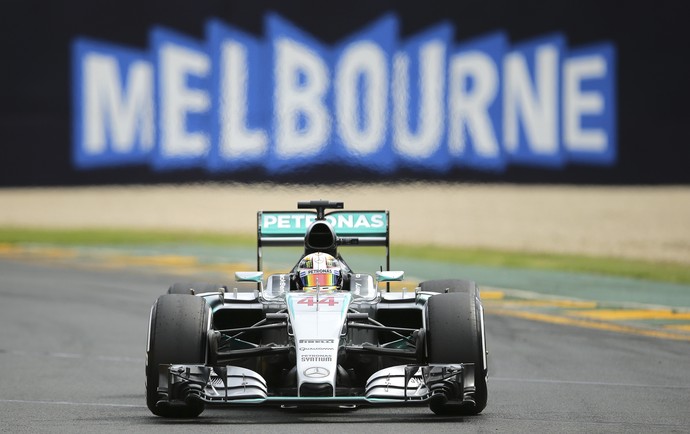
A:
x: 322, y: 278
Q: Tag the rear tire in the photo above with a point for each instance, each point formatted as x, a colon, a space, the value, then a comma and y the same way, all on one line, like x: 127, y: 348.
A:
x: 178, y: 335
x: 454, y: 335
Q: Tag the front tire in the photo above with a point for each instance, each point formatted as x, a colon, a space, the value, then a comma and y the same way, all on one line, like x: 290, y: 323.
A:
x: 448, y: 286
x: 178, y: 335
x: 193, y: 288
x: 454, y: 334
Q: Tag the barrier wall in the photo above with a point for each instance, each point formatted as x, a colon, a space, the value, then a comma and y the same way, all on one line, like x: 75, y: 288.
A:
x: 493, y: 91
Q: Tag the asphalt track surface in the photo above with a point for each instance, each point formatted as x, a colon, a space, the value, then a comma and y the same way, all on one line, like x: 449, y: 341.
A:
x: 72, y: 361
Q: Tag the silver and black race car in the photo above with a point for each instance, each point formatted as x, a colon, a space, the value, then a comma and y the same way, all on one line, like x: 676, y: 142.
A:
x: 320, y: 334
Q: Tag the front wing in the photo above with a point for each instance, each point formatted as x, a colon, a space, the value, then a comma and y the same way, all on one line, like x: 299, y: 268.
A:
x: 394, y: 386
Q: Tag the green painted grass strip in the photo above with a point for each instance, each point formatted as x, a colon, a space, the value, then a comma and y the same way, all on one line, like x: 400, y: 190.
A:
x: 637, y: 269
x: 119, y: 237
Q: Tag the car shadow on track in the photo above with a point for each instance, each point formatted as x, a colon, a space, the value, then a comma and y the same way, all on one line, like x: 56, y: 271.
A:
x: 272, y: 416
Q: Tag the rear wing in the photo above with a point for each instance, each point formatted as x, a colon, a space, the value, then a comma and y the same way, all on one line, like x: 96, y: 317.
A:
x: 352, y: 228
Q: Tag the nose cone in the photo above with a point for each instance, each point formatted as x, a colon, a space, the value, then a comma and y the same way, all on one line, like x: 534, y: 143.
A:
x: 317, y: 321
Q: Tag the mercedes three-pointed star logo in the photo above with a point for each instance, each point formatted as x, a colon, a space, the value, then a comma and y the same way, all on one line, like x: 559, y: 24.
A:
x: 316, y: 372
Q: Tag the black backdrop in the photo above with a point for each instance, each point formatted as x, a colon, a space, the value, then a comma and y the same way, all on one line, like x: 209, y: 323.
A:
x: 652, y: 54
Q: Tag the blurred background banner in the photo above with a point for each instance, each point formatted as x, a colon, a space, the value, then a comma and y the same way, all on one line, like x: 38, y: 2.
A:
x: 547, y: 91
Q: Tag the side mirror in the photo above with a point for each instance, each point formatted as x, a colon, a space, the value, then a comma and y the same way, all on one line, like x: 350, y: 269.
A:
x: 389, y: 276
x: 276, y: 287
x: 249, y: 276
x: 362, y: 287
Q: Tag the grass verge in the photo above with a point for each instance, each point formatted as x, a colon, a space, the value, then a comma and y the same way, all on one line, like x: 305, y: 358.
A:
x: 118, y: 237
x: 631, y: 268
x: 637, y: 269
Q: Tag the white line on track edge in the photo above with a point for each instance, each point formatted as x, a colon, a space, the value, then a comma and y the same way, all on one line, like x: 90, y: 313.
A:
x: 586, y: 383
x: 79, y: 404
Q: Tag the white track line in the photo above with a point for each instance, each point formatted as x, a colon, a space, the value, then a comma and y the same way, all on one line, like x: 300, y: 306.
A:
x: 587, y: 383
x: 59, y: 355
x: 78, y: 404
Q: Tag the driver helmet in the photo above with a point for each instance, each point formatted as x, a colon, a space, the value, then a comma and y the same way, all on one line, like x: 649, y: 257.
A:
x: 319, y: 270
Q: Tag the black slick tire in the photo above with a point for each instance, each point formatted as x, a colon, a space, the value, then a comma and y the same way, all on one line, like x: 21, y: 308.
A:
x: 193, y: 288
x: 448, y: 286
x: 454, y: 335
x: 177, y: 335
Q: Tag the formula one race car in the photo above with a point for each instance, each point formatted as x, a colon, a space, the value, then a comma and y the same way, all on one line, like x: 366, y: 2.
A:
x: 319, y: 334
